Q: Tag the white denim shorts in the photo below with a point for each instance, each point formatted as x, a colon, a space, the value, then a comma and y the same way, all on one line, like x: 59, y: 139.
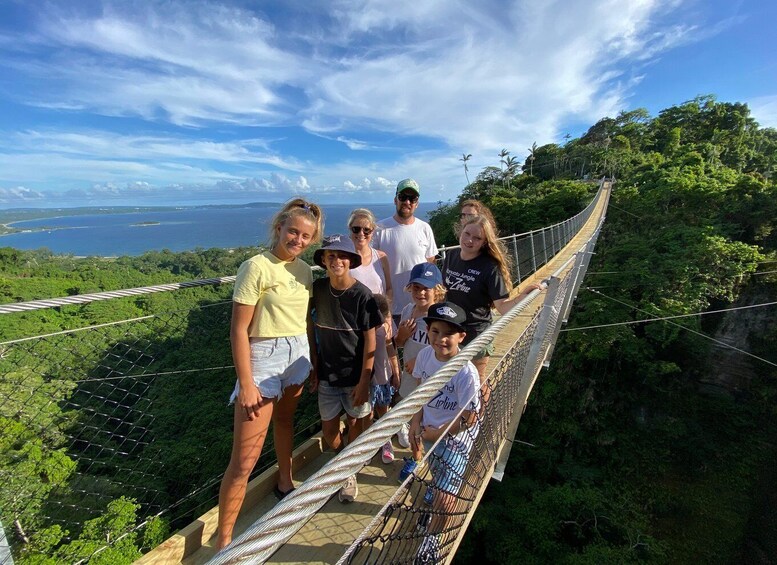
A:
x: 277, y: 363
x: 333, y: 400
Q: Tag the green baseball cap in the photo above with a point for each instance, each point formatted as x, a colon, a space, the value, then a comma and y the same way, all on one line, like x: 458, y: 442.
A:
x: 408, y: 184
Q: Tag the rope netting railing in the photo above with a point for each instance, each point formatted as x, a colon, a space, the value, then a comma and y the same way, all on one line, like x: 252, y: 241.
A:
x: 127, y: 415
x: 424, y: 520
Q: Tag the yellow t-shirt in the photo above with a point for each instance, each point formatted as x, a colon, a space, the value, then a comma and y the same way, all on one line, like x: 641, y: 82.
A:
x: 280, y: 291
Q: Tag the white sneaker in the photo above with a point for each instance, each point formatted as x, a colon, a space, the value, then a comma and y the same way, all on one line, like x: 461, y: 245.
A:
x: 387, y: 453
x: 349, y: 491
x: 403, y: 435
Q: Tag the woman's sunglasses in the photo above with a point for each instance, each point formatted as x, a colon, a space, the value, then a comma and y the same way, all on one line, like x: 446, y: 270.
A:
x: 365, y: 231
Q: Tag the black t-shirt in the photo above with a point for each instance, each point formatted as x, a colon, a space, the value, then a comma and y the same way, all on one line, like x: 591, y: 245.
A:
x: 341, y: 318
x: 473, y: 285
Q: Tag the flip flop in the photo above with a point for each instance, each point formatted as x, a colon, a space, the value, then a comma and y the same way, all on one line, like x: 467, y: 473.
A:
x: 279, y: 494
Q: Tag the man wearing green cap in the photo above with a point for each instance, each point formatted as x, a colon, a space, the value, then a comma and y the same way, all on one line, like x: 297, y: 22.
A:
x: 406, y: 240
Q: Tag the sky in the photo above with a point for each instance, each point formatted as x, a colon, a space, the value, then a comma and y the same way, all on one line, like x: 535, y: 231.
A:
x: 182, y: 103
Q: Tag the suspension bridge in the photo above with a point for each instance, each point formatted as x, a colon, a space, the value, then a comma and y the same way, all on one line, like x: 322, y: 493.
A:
x: 90, y: 398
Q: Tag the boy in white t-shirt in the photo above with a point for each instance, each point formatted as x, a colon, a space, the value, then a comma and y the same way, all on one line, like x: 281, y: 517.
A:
x: 456, y: 405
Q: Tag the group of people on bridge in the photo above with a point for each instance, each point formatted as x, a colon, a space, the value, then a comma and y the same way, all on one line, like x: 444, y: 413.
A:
x: 341, y: 333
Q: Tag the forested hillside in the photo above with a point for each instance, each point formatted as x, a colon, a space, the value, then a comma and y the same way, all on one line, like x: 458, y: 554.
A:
x: 638, y: 447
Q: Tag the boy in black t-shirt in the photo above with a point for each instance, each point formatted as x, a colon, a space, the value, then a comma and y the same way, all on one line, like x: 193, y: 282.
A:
x: 346, y: 316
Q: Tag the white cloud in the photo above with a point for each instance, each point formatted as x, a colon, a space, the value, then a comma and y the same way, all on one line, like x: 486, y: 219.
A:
x: 19, y: 195
x: 488, y: 82
x: 422, y: 81
x: 764, y: 110
x: 482, y: 77
x: 354, y: 144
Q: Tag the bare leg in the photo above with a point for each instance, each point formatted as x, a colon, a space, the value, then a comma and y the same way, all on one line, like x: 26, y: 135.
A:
x: 356, y: 426
x: 480, y: 365
x: 444, y: 504
x: 283, y: 434
x: 330, y: 429
x: 247, y: 445
x: 485, y: 391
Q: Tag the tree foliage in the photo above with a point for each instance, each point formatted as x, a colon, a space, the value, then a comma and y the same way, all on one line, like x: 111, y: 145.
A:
x: 634, y: 459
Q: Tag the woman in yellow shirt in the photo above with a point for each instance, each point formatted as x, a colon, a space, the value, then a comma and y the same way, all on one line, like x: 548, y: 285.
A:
x: 271, y: 353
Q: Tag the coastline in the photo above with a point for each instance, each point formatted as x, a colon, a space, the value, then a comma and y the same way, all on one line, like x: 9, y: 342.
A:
x: 191, y: 229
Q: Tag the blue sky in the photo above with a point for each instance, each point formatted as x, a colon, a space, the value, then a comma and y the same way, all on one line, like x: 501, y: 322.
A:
x: 171, y: 102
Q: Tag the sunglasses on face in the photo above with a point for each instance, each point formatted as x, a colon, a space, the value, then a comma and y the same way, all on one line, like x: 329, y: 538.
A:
x: 405, y: 197
x: 365, y: 231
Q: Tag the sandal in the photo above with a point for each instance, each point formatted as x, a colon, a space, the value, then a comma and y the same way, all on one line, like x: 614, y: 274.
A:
x: 279, y: 494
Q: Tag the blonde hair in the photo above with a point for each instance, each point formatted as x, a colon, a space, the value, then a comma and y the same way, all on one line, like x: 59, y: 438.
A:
x: 438, y: 291
x: 293, y: 208
x: 493, y: 247
x: 363, y: 213
x: 480, y: 209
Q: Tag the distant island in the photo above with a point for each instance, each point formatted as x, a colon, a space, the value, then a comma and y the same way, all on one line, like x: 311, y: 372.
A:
x: 10, y: 215
x: 6, y: 229
x: 142, y: 224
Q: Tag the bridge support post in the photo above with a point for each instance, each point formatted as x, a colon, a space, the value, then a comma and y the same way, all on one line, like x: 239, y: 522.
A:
x: 547, y: 317
x: 6, y: 558
x: 517, y: 261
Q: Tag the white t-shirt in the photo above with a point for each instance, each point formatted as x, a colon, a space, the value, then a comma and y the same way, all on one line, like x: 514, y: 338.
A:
x: 405, y: 245
x: 418, y: 339
x: 462, y: 391
x: 414, y: 344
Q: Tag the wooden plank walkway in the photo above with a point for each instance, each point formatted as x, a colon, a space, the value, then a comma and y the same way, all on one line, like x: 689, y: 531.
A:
x: 328, y: 533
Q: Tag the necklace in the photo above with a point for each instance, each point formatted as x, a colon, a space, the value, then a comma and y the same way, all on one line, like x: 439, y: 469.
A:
x: 338, y: 295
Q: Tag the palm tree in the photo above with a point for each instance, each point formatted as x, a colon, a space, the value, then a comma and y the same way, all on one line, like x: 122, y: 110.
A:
x: 464, y: 159
x: 511, y: 164
x: 532, y: 150
x: 503, y: 155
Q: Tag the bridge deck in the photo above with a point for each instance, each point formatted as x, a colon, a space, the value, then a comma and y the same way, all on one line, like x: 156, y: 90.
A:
x: 328, y: 533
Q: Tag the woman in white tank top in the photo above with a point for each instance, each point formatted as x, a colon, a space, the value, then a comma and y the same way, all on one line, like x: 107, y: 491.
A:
x: 374, y: 272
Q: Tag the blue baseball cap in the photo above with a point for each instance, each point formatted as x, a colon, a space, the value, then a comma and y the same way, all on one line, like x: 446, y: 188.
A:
x: 426, y: 274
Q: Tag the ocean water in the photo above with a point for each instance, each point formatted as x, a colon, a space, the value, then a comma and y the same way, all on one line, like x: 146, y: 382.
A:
x: 110, y: 235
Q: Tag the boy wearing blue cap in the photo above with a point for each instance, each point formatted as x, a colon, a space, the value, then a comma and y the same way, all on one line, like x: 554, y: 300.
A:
x: 425, y: 288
